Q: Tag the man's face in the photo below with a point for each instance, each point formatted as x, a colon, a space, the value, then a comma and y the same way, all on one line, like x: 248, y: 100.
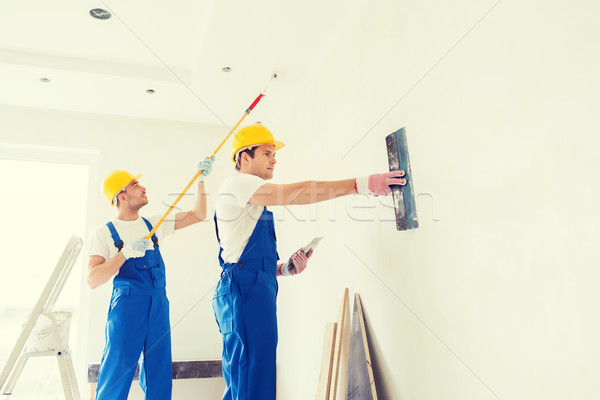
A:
x: 263, y: 163
x: 135, y: 195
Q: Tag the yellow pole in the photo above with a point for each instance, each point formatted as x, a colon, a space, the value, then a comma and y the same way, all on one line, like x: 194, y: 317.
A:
x: 248, y: 110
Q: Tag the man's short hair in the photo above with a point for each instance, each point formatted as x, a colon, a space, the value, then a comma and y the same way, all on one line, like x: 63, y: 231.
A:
x: 249, y: 151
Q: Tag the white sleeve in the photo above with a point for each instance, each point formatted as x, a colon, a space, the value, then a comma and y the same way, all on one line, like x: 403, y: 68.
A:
x: 243, y: 187
x: 98, y: 243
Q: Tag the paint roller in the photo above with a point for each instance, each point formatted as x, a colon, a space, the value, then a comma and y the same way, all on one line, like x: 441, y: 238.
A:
x: 246, y: 113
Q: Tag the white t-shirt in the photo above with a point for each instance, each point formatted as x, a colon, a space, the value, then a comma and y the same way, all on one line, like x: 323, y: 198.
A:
x: 235, y: 216
x: 102, y: 243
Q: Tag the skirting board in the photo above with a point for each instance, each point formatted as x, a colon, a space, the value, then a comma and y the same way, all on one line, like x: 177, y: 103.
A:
x: 181, y: 370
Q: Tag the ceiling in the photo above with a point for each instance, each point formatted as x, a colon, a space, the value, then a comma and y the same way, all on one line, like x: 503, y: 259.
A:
x: 354, y: 56
x: 54, y: 55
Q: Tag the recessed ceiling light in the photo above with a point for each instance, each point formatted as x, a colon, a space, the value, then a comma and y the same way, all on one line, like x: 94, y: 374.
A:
x: 100, y: 13
x: 45, y: 80
x: 226, y: 69
x: 150, y: 91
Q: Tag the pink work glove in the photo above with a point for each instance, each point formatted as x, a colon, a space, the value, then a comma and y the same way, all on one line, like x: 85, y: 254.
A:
x: 378, y: 184
x: 296, y: 264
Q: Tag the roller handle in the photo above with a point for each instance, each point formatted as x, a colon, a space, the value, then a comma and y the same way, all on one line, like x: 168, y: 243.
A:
x: 160, y: 221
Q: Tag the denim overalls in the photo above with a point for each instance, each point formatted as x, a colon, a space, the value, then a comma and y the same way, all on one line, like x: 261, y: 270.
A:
x: 138, y: 321
x: 246, y: 312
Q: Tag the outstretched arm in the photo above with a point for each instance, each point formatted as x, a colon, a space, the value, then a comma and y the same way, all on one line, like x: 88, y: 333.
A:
x: 307, y: 192
x: 310, y: 192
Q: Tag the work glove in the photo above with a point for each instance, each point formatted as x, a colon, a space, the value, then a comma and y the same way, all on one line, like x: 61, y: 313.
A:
x: 296, y: 264
x: 378, y: 184
x: 137, y: 248
x: 206, y: 165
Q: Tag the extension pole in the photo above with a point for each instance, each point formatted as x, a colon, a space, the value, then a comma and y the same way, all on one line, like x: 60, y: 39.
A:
x: 248, y: 110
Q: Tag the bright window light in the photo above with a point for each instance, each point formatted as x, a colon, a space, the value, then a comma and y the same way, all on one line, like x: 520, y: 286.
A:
x: 43, y: 204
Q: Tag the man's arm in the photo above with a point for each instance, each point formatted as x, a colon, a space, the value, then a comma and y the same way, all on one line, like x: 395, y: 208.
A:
x: 298, y: 193
x: 198, y: 213
x: 187, y: 218
x: 100, y: 270
x: 310, y: 192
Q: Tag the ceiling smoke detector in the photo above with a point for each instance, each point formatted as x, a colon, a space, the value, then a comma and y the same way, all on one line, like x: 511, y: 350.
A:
x: 226, y: 69
x: 150, y: 91
x: 45, y: 80
x: 100, y: 13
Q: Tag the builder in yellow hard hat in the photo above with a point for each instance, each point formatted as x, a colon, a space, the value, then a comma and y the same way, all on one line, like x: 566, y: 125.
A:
x: 245, y: 298
x: 138, y: 318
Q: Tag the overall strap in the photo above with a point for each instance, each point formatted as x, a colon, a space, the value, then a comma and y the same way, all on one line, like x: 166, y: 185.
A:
x: 221, y: 261
x: 217, y: 228
x: 115, y: 236
x: 154, y: 238
x: 264, y: 216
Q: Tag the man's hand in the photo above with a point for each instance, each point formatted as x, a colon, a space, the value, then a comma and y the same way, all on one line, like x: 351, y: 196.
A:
x: 296, y: 264
x: 378, y: 184
x: 137, y: 248
x: 206, y: 165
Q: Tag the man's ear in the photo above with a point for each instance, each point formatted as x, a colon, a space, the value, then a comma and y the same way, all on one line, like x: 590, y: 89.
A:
x: 121, y: 197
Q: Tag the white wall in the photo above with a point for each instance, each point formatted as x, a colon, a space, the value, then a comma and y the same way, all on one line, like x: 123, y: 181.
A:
x: 497, y: 299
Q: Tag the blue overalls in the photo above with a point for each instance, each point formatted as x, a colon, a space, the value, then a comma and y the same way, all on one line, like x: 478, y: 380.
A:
x: 246, y: 312
x: 138, y: 320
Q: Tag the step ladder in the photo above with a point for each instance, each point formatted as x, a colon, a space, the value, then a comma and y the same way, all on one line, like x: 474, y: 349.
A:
x: 46, y: 332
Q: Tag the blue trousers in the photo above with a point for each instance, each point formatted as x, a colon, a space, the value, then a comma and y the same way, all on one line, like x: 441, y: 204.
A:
x: 138, y: 322
x: 246, y: 312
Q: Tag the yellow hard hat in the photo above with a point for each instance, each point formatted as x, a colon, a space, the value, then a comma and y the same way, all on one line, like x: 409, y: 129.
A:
x: 252, y: 135
x: 114, y: 182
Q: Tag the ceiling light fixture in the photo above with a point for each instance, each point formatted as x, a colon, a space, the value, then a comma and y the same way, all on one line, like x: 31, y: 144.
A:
x: 99, y: 13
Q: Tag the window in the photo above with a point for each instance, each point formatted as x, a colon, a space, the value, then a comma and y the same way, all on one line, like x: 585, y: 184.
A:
x: 43, y: 204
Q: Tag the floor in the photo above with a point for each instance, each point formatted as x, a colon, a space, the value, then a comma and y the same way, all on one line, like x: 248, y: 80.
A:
x: 40, y: 380
x: 23, y: 396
